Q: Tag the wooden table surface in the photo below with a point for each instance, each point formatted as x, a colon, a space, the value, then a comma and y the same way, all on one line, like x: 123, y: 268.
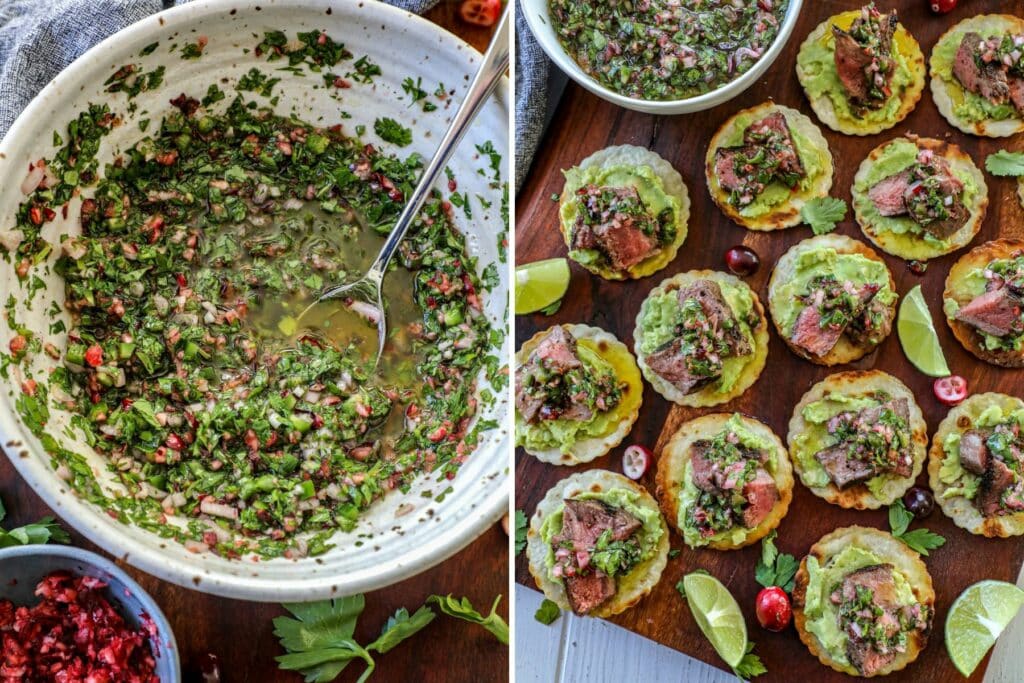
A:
x: 583, y: 124
x: 240, y: 633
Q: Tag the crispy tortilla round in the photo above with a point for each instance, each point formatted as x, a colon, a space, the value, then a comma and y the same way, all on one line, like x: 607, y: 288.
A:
x: 787, y: 214
x: 946, y: 88
x: 971, y: 339
x: 845, y: 351
x: 616, y: 354
x: 706, y: 396
x: 958, y: 508
x: 891, y: 550
x: 673, y: 185
x: 672, y: 469
x: 631, y: 587
x: 909, y: 246
x: 823, y: 106
x: 861, y: 383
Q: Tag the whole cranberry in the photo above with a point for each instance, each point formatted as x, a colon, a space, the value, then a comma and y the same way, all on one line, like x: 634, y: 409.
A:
x: 773, y: 609
x: 919, y: 501
x: 742, y: 261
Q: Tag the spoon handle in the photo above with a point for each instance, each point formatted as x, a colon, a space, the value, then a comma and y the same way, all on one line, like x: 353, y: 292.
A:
x: 493, y: 66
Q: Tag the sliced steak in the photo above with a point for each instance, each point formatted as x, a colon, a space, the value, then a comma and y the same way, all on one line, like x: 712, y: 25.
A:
x: 841, y: 468
x: 872, y: 325
x: 809, y: 335
x: 878, y: 579
x: 996, y: 312
x: 583, y: 522
x: 528, y: 406
x: 761, y: 494
x: 557, y: 350
x: 989, y: 81
x: 775, y: 126
x: 716, y: 309
x: 588, y: 592
x: 578, y: 412
x: 624, y: 244
x: 613, y: 232
x: 997, y: 478
x: 887, y: 194
x: 1016, y: 85
x: 851, y: 65
x: 704, y: 469
x: 973, y: 452
x: 671, y: 364
x: 725, y: 168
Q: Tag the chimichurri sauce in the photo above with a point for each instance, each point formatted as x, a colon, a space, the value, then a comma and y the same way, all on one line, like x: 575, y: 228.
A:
x: 188, y: 367
x: 666, y: 49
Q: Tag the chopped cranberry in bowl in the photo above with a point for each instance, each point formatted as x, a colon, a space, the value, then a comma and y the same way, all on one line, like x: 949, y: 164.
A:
x: 100, y: 625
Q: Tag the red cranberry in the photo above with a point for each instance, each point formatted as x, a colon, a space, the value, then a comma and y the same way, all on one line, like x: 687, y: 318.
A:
x: 742, y: 261
x: 918, y: 267
x: 919, y: 501
x: 773, y: 609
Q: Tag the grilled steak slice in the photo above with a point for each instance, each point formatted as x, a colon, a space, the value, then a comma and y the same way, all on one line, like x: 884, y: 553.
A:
x: 871, y: 326
x: 843, y: 470
x: 989, y: 81
x: 527, y: 406
x: 583, y: 522
x: 859, y: 68
x: 775, y: 126
x: 974, y: 454
x: 997, y: 478
x: 725, y: 169
x: 761, y: 494
x: 1016, y: 85
x: 557, y: 350
x: 588, y: 592
x: 851, y: 65
x: 809, y: 335
x: 616, y: 233
x: 708, y: 294
x: 887, y: 194
x: 879, y: 580
x: 671, y: 364
x: 705, y: 472
x: 996, y: 312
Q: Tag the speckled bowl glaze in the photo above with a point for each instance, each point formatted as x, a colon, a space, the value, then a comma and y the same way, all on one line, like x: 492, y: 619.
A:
x: 22, y: 567
x: 538, y: 17
x: 403, y: 534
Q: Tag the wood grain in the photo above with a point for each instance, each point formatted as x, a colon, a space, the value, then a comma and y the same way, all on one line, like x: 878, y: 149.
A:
x: 240, y: 633
x: 583, y: 124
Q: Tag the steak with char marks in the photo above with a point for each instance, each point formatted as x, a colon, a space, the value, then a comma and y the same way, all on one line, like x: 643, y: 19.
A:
x: 843, y: 470
x: 989, y: 81
x: 996, y: 312
x: 761, y: 494
x: 671, y: 364
x: 716, y: 309
x: 997, y: 478
x: 809, y: 335
x: 974, y: 454
x: 616, y: 235
x: 887, y: 194
x: 775, y: 125
x: 588, y: 592
x: 853, y: 60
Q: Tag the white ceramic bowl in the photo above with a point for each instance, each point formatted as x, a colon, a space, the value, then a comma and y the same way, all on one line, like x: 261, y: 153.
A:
x: 538, y: 17
x: 386, y: 546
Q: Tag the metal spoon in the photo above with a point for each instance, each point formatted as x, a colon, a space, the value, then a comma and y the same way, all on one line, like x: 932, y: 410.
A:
x: 368, y: 288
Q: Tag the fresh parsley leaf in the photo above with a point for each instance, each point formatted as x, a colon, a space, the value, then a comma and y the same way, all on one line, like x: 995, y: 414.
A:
x: 547, y: 613
x: 400, y: 627
x: 392, y: 131
x: 682, y: 589
x: 324, y: 664
x: 922, y: 540
x: 899, y: 518
x: 775, y: 568
x: 750, y: 666
x: 1005, y: 163
x: 318, y: 624
x: 822, y: 214
x: 463, y: 609
x: 520, y: 531
x: 43, y: 531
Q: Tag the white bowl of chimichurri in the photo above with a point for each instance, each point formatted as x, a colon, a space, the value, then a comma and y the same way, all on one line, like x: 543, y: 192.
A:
x: 172, y: 203
x: 661, y: 56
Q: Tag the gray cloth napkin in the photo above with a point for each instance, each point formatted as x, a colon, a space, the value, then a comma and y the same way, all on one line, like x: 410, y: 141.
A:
x: 38, y: 38
x: 532, y: 67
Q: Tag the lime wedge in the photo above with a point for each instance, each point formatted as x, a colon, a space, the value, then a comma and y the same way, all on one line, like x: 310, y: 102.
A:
x: 718, y: 616
x: 540, y: 284
x: 977, y: 618
x: 917, y: 335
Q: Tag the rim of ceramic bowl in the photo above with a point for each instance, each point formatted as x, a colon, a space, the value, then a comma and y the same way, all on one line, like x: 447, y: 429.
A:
x: 167, y: 643
x: 543, y: 31
x: 245, y: 585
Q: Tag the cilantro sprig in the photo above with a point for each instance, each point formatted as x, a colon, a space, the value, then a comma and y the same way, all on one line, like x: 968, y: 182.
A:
x: 43, y: 531
x: 547, y: 613
x: 320, y: 636
x: 1004, y: 163
x: 750, y: 666
x: 921, y: 540
x: 775, y: 568
x: 822, y: 214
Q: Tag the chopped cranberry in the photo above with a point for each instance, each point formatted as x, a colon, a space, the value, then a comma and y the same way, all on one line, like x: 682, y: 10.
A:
x: 94, y: 355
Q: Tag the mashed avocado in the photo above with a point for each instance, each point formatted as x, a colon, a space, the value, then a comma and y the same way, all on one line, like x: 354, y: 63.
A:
x: 816, y: 437
x: 689, y: 493
x: 960, y: 481
x: 895, y: 157
x: 817, y: 60
x: 647, y: 183
x: 661, y: 314
x: 564, y: 433
x: 813, y: 159
x: 809, y: 263
x: 968, y: 106
x: 822, y: 613
x: 624, y: 499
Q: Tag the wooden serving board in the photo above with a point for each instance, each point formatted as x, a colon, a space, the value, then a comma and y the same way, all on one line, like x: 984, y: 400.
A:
x: 583, y: 124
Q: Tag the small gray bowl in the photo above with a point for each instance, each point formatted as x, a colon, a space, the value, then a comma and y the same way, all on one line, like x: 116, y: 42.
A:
x: 22, y: 567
